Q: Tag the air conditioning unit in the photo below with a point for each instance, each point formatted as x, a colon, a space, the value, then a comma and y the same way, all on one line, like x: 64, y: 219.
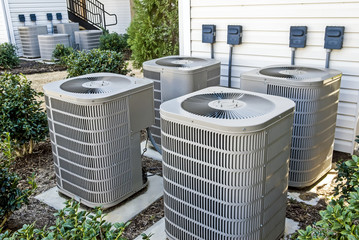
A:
x: 225, y: 164
x: 29, y: 42
x: 176, y: 76
x: 316, y: 94
x: 95, y: 122
x: 48, y: 44
x: 88, y: 39
x: 67, y: 28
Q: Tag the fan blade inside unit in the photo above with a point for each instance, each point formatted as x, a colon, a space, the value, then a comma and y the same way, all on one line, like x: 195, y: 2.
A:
x: 75, y: 86
x: 227, y: 105
x: 95, y: 85
x: 292, y: 72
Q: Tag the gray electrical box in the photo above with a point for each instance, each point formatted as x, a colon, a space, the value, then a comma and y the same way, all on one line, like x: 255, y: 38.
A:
x: 298, y: 36
x: 333, y: 37
x: 234, y: 34
x: 208, y: 33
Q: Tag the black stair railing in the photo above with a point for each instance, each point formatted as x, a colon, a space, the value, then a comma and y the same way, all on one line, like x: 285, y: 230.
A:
x: 92, y: 11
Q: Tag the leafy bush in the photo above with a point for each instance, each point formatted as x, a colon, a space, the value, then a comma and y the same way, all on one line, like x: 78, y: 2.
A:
x: 8, y: 56
x: 341, y: 218
x: 62, y: 51
x: 114, y: 42
x: 153, y: 32
x: 339, y: 221
x: 21, y: 114
x: 348, y: 177
x: 95, y: 60
x: 72, y: 224
x: 11, y: 197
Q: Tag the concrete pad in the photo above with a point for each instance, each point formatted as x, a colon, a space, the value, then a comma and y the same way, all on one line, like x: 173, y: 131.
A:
x: 151, y: 152
x: 290, y: 226
x: 295, y: 196
x: 120, y: 213
x: 125, y: 212
x: 324, y: 183
x: 52, y: 198
x: 158, y: 229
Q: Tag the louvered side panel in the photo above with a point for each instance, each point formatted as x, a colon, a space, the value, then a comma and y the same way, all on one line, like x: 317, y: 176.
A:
x: 313, y: 130
x: 156, y: 128
x: 213, y: 183
x: 91, y: 148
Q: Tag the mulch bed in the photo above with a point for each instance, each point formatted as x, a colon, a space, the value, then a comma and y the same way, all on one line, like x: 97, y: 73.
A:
x: 31, y: 67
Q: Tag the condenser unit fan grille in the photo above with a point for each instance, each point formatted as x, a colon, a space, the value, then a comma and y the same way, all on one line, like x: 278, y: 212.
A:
x: 94, y: 85
x: 183, y: 62
x: 292, y: 72
x: 227, y: 105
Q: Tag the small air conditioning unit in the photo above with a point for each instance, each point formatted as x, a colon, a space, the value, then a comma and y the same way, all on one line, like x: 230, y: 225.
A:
x: 67, y: 28
x: 88, y: 39
x: 176, y: 76
x: 48, y: 44
x: 316, y: 94
x: 29, y: 42
x: 95, y: 122
x: 225, y: 164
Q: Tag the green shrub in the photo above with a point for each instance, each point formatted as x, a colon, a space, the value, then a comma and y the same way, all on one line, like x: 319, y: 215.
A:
x: 95, y: 60
x: 341, y: 218
x: 339, y: 221
x: 153, y: 32
x: 8, y: 56
x: 348, y: 177
x: 114, y: 42
x: 11, y: 197
x: 72, y: 224
x: 21, y: 114
x: 61, y: 51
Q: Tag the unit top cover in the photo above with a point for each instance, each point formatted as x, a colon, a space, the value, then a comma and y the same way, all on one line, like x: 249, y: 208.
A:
x: 96, y: 87
x: 292, y: 75
x: 179, y: 63
x: 226, y: 108
x: 53, y: 36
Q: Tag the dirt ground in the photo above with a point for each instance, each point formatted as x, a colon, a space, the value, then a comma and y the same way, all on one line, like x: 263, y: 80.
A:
x: 30, y: 67
x: 42, y: 164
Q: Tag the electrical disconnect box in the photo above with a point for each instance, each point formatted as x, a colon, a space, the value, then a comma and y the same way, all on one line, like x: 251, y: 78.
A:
x: 21, y: 17
x: 208, y: 33
x: 49, y: 16
x: 298, y: 36
x: 33, y: 17
x: 58, y: 16
x: 334, y: 36
x: 234, y: 34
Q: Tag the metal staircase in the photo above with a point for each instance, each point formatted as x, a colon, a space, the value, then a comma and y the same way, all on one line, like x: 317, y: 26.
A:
x: 90, y: 14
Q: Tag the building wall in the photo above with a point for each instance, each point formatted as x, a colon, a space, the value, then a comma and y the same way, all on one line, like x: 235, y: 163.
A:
x: 4, y: 37
x: 38, y: 7
x: 122, y: 9
x: 266, y: 25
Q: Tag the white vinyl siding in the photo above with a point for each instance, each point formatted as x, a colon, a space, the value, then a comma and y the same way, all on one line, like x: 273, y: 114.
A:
x: 266, y: 25
x: 4, y: 37
x: 38, y: 7
x: 122, y: 9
